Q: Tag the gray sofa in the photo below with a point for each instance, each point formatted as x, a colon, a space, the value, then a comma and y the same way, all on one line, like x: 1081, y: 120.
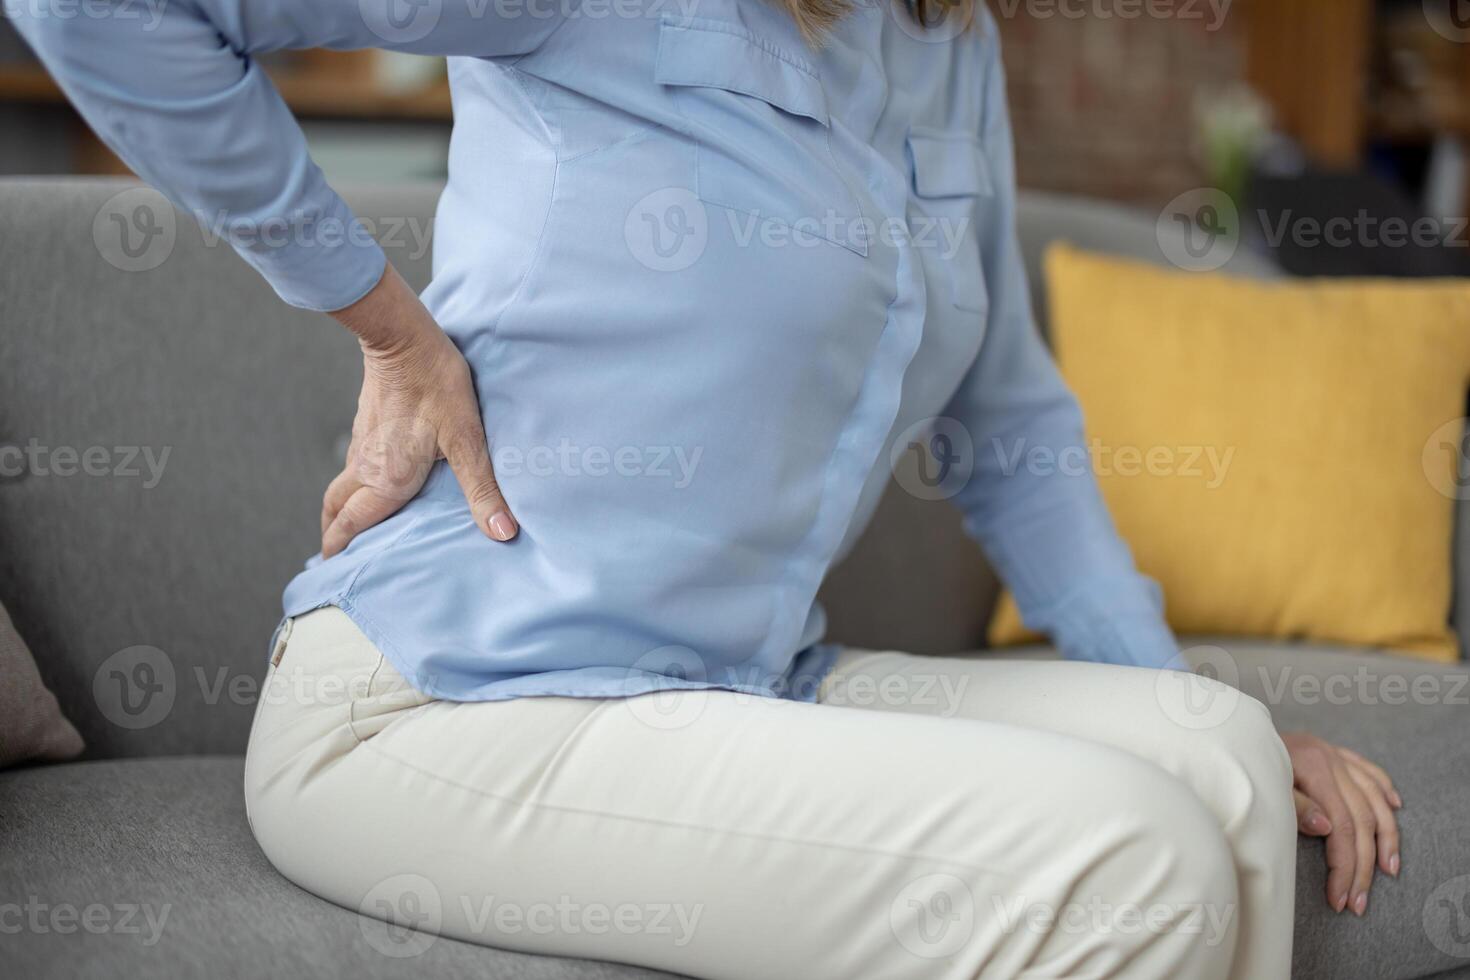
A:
x: 252, y: 402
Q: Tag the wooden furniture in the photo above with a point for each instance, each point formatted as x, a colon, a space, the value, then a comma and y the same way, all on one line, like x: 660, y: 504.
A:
x: 1309, y: 59
x: 1344, y: 74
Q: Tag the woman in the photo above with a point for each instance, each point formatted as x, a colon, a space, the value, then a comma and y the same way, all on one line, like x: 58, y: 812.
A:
x: 764, y: 242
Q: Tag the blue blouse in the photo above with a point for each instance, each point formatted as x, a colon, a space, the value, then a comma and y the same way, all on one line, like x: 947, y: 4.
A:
x: 713, y: 284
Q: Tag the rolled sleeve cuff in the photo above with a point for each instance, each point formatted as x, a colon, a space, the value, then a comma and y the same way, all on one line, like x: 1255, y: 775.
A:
x: 318, y: 258
x: 1117, y: 622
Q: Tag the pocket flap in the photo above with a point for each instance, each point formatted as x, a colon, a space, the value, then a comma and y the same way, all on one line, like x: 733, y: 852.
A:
x: 714, y: 54
x: 948, y: 163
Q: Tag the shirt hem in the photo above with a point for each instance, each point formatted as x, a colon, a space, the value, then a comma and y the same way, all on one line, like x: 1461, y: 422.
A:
x: 800, y: 683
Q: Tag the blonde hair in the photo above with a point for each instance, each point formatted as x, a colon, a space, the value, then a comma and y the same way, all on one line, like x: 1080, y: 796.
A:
x: 816, y: 17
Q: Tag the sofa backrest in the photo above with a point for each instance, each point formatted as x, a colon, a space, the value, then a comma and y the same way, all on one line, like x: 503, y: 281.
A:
x: 179, y: 423
x: 194, y: 357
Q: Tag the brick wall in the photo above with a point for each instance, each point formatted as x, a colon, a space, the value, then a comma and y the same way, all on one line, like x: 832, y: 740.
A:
x: 1105, y: 106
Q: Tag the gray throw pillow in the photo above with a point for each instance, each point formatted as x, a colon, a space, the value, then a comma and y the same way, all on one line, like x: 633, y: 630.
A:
x: 31, y: 723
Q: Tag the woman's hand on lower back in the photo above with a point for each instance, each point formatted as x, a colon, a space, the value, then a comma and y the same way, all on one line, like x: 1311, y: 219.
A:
x: 1350, y: 801
x: 417, y: 405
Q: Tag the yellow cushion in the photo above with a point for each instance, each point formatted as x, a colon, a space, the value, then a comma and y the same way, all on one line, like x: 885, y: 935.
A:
x: 1280, y: 457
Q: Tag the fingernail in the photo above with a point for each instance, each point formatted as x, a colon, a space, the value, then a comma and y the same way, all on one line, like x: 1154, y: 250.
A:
x: 1397, y: 799
x: 1318, y: 823
x: 1339, y: 902
x: 1360, y: 904
x: 1393, y: 865
x: 502, y: 526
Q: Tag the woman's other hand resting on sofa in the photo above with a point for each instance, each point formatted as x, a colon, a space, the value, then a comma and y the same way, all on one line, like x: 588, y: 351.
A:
x: 418, y: 404
x: 1342, y: 796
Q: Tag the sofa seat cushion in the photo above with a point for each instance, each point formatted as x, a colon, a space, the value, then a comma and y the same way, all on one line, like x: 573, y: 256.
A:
x: 149, y: 867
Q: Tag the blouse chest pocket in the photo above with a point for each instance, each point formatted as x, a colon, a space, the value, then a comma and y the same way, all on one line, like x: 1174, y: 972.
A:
x: 951, y: 190
x: 758, y: 115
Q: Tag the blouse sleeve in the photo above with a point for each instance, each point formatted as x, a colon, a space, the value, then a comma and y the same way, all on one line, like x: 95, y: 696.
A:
x: 1044, y: 528
x: 175, y: 90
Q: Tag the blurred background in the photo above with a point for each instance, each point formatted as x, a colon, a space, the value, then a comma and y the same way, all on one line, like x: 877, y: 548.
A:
x: 1303, y: 110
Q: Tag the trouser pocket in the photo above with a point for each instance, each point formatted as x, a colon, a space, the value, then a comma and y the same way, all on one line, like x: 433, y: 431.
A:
x: 327, y: 690
x: 278, y: 643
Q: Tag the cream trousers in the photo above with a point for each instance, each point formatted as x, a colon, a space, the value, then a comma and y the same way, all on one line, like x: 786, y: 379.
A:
x: 928, y: 818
